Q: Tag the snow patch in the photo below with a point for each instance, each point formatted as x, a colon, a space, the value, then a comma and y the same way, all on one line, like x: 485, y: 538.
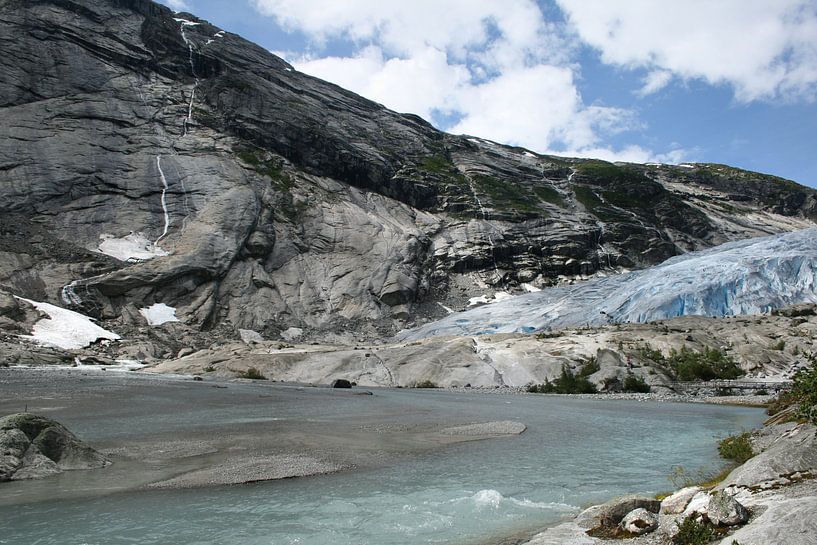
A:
x: 132, y: 247
x: 65, y: 328
x: 686, y: 165
x: 530, y: 288
x: 159, y: 314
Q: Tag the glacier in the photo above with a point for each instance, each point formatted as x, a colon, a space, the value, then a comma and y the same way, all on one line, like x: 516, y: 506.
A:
x: 752, y: 276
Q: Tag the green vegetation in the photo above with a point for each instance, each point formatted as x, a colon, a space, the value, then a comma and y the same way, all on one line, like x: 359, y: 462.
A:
x: 780, y: 345
x: 587, y: 197
x: 736, y: 447
x: 426, y: 384
x: 568, y: 383
x: 442, y: 166
x: 692, y: 532
x: 271, y: 168
x: 804, y: 391
x: 253, y: 374
x: 704, y: 478
x: 635, y: 384
x: 506, y: 195
x: 550, y: 194
x: 711, y: 364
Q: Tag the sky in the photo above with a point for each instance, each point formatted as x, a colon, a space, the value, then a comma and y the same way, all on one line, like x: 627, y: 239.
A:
x: 730, y: 81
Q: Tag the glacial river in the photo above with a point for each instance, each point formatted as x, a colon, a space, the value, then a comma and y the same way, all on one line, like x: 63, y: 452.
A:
x: 574, y: 453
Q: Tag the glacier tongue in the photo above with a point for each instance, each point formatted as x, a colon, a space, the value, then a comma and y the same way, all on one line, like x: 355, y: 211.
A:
x: 745, y: 277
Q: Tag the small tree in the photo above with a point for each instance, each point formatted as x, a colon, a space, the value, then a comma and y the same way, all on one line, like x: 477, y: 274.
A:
x: 804, y: 391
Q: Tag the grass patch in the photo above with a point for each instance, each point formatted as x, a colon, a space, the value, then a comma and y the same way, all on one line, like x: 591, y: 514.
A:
x: 736, y: 447
x: 507, y: 195
x: 550, y: 195
x: 253, y: 374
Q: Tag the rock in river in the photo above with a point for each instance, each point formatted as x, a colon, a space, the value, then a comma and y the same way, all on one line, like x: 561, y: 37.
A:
x: 33, y: 446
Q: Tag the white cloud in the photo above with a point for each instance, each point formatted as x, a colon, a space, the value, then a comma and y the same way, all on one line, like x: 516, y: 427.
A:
x: 501, y: 70
x: 654, y: 82
x: 176, y: 5
x: 764, y: 49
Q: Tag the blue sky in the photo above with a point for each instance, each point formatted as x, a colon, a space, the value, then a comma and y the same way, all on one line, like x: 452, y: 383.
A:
x: 733, y: 81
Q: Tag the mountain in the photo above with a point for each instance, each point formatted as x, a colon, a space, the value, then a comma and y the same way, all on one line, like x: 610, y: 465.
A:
x: 150, y: 160
x: 747, y: 277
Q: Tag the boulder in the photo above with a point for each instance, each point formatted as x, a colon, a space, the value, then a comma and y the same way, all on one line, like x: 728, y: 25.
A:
x: 341, y: 383
x: 610, y: 514
x: 677, y: 502
x: 724, y: 510
x: 698, y: 506
x: 32, y: 447
x: 250, y: 337
x: 639, y: 521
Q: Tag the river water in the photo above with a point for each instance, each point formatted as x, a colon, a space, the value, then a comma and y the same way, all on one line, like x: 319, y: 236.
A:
x: 574, y: 453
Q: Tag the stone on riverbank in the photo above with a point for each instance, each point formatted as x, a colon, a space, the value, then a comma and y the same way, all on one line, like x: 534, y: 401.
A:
x: 32, y: 447
x: 608, y: 515
x: 724, y: 510
x: 677, y: 502
x: 639, y: 521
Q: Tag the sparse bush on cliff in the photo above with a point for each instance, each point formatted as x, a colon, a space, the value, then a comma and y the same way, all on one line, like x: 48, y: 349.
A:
x: 253, y: 374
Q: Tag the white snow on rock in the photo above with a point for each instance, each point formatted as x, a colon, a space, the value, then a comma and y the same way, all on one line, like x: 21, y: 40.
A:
x: 65, y: 328
x: 132, y: 247
x: 751, y: 276
x: 158, y: 314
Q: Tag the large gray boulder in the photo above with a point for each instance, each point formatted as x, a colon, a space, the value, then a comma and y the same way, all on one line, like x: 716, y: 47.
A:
x: 33, y: 446
x: 610, y: 514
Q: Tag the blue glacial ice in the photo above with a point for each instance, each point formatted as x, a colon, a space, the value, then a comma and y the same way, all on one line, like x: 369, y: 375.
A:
x: 750, y: 276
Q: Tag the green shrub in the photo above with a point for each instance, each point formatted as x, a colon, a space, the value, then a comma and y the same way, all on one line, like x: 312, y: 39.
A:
x: 780, y: 345
x: 804, y: 391
x: 736, y: 447
x: 636, y: 384
x: 711, y: 364
x: 426, y: 384
x: 567, y: 383
x: 692, y: 532
x: 590, y: 366
x: 253, y: 374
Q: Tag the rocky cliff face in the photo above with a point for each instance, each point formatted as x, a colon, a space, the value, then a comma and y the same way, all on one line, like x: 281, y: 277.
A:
x: 149, y: 157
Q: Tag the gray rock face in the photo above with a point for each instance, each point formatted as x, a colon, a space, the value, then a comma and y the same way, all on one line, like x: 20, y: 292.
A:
x: 247, y: 195
x: 32, y: 447
x: 787, y: 522
x: 639, y: 521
